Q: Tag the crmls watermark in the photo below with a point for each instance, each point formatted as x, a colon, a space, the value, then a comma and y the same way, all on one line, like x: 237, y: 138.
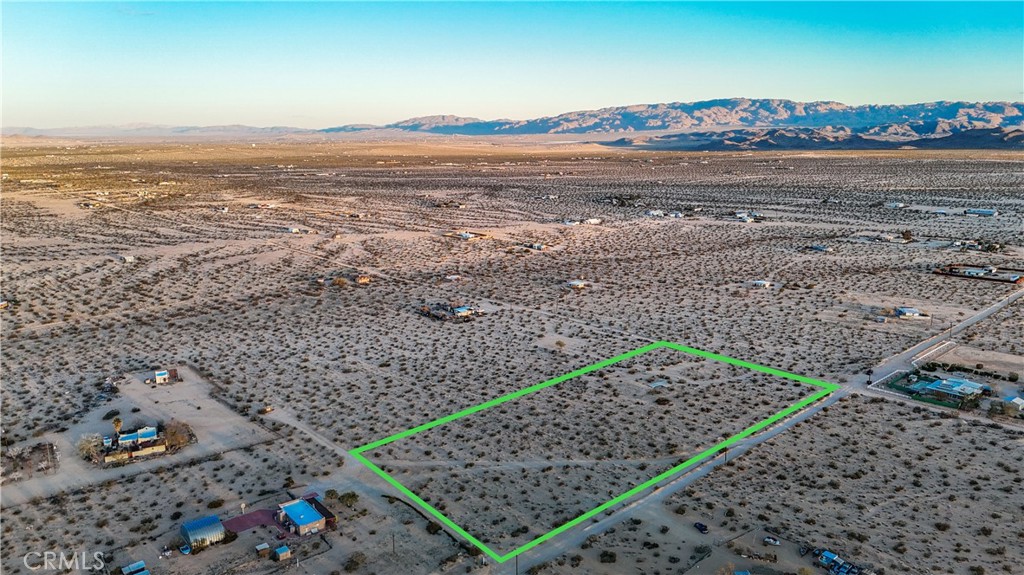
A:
x: 63, y: 561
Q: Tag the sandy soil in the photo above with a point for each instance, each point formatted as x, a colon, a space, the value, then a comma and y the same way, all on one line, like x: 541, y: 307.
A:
x: 234, y: 296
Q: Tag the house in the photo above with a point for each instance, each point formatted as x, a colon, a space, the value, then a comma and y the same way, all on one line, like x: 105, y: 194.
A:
x: 761, y: 284
x: 658, y: 384
x: 655, y: 213
x: 292, y: 230
x: 592, y: 221
x: 576, y: 284
x: 462, y: 311
x: 127, y: 259
x: 675, y: 214
x: 895, y: 205
x: 822, y: 248
x: 827, y: 558
x: 954, y: 389
x: 985, y: 213
x: 329, y: 516
x: 140, y: 435
x: 908, y: 312
x: 202, y: 532
x: 1014, y: 404
x: 282, y: 553
x: 300, y: 517
x: 162, y: 376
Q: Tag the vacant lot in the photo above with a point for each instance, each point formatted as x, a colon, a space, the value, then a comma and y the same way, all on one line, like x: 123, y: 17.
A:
x: 119, y: 257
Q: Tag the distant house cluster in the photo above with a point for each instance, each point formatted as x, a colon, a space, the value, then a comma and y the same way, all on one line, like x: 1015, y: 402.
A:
x: 987, y: 273
x: 747, y: 216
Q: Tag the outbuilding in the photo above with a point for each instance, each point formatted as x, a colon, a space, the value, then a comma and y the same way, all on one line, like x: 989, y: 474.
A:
x: 202, y: 532
x: 1014, y: 404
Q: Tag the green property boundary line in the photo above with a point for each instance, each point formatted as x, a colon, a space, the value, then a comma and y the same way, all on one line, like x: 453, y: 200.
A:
x: 826, y: 389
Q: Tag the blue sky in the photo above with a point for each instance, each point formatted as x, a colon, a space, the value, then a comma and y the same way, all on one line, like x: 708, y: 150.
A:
x: 331, y: 63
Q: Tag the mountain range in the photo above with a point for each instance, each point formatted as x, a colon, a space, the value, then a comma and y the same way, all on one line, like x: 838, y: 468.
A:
x: 738, y: 123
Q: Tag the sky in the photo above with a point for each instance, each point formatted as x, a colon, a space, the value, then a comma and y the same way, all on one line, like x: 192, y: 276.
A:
x: 324, y: 64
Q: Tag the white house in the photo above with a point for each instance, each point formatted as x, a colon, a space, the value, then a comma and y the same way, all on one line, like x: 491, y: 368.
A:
x: 908, y: 312
x: 576, y: 284
x: 762, y: 284
x: 1014, y: 404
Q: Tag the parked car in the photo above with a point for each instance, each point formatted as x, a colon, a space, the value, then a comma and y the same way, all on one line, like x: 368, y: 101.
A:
x: 701, y: 527
x: 771, y: 541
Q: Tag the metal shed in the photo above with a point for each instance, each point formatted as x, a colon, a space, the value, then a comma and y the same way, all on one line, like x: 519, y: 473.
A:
x: 203, y: 531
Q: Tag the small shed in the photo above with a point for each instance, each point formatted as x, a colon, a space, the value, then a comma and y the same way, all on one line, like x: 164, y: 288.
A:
x: 161, y: 376
x: 908, y: 312
x: 127, y: 259
x: 282, y: 553
x: 134, y: 568
x: 576, y: 284
x: 263, y: 550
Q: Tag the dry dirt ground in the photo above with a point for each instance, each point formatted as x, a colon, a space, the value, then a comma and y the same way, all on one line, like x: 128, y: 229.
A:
x: 237, y: 297
x: 887, y: 484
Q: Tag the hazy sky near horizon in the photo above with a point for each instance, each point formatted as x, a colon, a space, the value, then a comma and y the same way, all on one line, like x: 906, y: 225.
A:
x: 331, y: 63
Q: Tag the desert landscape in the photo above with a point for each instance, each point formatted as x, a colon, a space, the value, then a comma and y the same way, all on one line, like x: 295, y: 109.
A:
x: 285, y: 281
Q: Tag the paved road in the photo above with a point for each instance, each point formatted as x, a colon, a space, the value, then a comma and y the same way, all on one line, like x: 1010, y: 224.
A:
x: 573, y: 538
x: 371, y: 487
x: 903, y: 359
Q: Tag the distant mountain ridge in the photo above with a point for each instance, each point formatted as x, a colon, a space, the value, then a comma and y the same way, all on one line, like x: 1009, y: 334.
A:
x: 824, y: 123
x: 733, y: 113
x: 749, y: 139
